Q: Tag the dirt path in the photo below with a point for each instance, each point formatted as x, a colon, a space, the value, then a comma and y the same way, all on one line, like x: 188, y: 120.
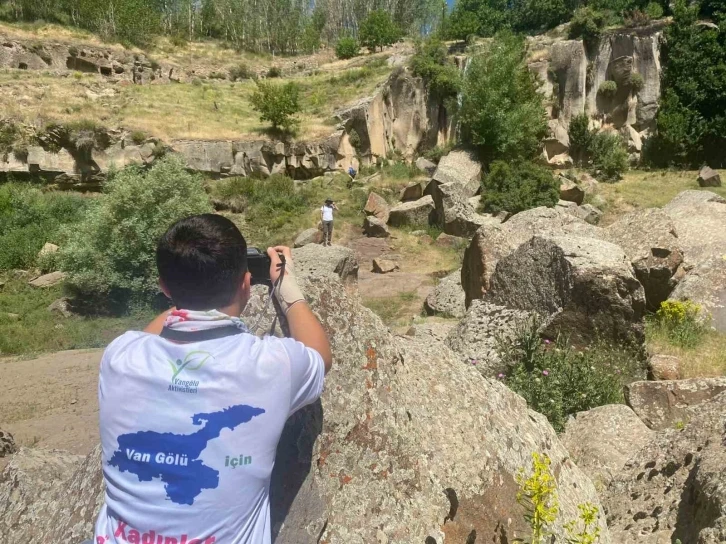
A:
x: 51, y: 401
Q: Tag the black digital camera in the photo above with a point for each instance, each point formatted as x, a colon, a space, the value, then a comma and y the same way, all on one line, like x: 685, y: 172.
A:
x: 258, y: 264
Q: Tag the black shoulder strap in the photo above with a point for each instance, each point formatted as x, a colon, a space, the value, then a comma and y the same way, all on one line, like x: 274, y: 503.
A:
x: 199, y: 336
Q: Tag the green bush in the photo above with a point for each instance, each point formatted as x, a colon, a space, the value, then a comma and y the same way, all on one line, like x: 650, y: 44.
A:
x: 274, y: 71
x: 29, y: 218
x: 347, y: 47
x: 138, y: 137
x: 609, y: 156
x: 240, y: 72
x: 502, y: 113
x: 378, y: 30
x: 636, y: 18
x: 607, y: 89
x: 477, y: 18
x: 540, y: 15
x: 8, y: 136
x: 517, y: 187
x: 110, y: 254
x: 354, y: 139
x: 580, y: 138
x: 277, y: 104
x: 432, y: 64
x: 636, y: 82
x: 654, y: 10
x: 435, y: 153
x: 587, y: 23
x: 557, y: 380
x: 679, y: 322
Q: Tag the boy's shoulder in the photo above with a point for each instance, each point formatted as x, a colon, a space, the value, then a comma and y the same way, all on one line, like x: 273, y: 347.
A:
x: 122, y: 342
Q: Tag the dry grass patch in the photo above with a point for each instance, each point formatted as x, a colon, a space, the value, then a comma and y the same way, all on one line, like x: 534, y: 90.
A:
x: 706, y: 360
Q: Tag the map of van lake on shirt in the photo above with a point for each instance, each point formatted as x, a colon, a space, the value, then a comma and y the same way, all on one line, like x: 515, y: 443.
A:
x: 174, y: 458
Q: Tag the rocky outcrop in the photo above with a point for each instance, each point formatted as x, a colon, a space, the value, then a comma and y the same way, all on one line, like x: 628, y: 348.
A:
x: 432, y: 330
x: 700, y: 221
x: 316, y: 260
x: 406, y: 445
x: 603, y: 439
x: 412, y: 191
x: 377, y: 206
x: 454, y: 213
x: 708, y: 177
x: 7, y: 444
x: 583, y: 287
x: 706, y: 286
x: 384, y: 266
x: 308, y: 236
x: 447, y: 298
x: 418, y: 213
x: 650, y: 241
x: 375, y: 228
x: 462, y: 168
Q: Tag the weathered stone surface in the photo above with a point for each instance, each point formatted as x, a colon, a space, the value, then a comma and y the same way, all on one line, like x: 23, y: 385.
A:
x: 708, y: 177
x: 476, y: 338
x: 461, y: 168
x: 455, y: 214
x: 308, y: 236
x: 584, y: 287
x: 375, y: 228
x: 664, y: 367
x: 700, y: 220
x: 412, y: 191
x: 706, y: 286
x: 48, y: 280
x: 587, y: 212
x: 432, y: 330
x: 377, y: 206
x: 47, y: 249
x: 418, y: 213
x: 314, y: 260
x: 650, y: 241
x: 61, y: 306
x: 571, y: 192
x: 603, y: 439
x: 447, y: 298
x: 384, y: 266
x: 7, y: 444
x: 663, y: 404
x: 672, y: 489
x: 447, y: 240
x: 426, y: 166
x: 402, y: 433
x: 495, y: 241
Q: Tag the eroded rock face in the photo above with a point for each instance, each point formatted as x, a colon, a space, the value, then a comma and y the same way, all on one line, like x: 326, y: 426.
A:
x: 308, y: 236
x: 650, y: 241
x: 708, y: 177
x: 377, y: 206
x: 316, y: 260
x: 454, y: 213
x: 375, y: 228
x: 7, y: 444
x: 706, y: 286
x: 418, y: 213
x: 700, y: 221
x: 461, y: 168
x: 447, y: 298
x: 603, y: 439
x: 583, y: 287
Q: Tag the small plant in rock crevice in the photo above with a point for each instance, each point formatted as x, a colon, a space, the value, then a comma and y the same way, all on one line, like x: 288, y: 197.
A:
x: 680, y: 322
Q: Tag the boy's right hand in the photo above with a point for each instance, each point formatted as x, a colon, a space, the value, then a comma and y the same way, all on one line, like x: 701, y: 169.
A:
x: 287, y: 293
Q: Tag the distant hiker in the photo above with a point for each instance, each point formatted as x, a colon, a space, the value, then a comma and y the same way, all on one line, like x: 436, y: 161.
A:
x: 326, y: 216
x: 351, y: 172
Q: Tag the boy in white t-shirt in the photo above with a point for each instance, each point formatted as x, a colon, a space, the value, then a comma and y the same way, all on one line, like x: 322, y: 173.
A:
x: 326, y: 216
x: 191, y: 409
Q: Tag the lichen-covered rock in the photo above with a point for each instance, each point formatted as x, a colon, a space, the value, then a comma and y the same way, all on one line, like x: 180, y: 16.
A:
x: 461, y: 168
x: 308, y: 236
x: 447, y: 240
x: 315, y: 260
x: 603, y: 439
x: 706, y: 286
x: 708, y: 177
x: 494, y: 241
x: 426, y: 166
x: 583, y: 287
x: 447, y: 298
x: 7, y: 443
x: 477, y: 337
x: 432, y: 330
x: 650, y: 241
x: 454, y: 214
x: 375, y: 228
x: 377, y: 206
x: 664, y: 367
x: 587, y: 212
x: 663, y: 404
x: 700, y: 220
x: 418, y: 213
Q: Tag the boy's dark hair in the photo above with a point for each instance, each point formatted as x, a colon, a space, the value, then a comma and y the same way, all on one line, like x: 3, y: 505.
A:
x: 202, y: 260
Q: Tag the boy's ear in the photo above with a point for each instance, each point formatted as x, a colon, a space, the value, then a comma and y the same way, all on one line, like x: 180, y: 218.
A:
x: 164, y: 288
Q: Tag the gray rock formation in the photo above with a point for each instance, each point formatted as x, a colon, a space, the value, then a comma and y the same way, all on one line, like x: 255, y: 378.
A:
x: 571, y: 192
x: 454, y: 214
x: 48, y: 280
x: 700, y: 220
x: 377, y: 206
x: 447, y: 240
x: 587, y: 212
x: 461, y: 168
x: 418, y: 213
x: 447, y: 298
x: 426, y: 166
x: 708, y: 177
x: 603, y: 439
x: 406, y: 444
x: 432, y: 330
x: 477, y: 337
x: 583, y: 287
x: 308, y: 236
x: 492, y: 242
x: 316, y: 260
x: 384, y: 266
x: 7, y: 444
x: 375, y: 228
x: 412, y: 191
x: 706, y: 286
x: 664, y: 367
x: 663, y: 404
x: 650, y: 241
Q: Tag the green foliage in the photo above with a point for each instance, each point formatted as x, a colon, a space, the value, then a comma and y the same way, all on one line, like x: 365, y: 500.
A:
x: 518, y: 186
x: 8, y: 136
x: 274, y: 71
x: 580, y: 138
x: 378, y: 30
x: 680, y: 322
x: 241, y: 72
x: 354, y: 139
x: 277, y: 104
x: 654, y: 10
x: 138, y: 137
x: 557, y: 380
x: 110, y: 254
x: 590, y: 532
x: 435, y: 153
x: 587, y: 23
x: 29, y: 218
x: 607, y: 89
x: 347, y: 47
x: 538, y: 496
x: 502, y: 114
x: 432, y: 64
x: 636, y: 82
x: 540, y: 15
x: 477, y: 17
x: 609, y: 156
x: 691, y: 125
x: 636, y: 18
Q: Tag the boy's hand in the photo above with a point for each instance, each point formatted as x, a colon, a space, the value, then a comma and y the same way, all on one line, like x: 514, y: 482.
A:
x: 288, y: 293
x: 274, y: 254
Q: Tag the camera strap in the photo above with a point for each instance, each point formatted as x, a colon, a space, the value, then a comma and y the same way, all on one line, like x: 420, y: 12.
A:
x: 199, y: 336
x: 273, y: 288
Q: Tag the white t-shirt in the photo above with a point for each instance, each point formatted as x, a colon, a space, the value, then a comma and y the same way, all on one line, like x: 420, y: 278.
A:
x: 327, y: 213
x: 189, y: 433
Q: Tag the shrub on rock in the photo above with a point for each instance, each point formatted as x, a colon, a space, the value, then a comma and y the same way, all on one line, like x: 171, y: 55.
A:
x: 518, y: 187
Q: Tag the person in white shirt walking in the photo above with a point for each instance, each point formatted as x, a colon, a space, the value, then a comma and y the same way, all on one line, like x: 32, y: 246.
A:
x: 191, y: 409
x: 326, y: 216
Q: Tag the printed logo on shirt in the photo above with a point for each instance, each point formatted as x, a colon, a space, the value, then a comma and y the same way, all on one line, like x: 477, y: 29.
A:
x: 124, y: 533
x: 194, y: 360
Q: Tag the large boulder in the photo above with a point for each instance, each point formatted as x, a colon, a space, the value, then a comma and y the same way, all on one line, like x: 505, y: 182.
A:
x: 426, y: 166
x: 494, y: 241
x: 664, y: 404
x: 650, y: 241
x: 461, y: 168
x: 708, y: 177
x: 436, y: 330
x: 412, y: 191
x: 7, y: 444
x: 377, y: 206
x: 477, y: 337
x: 406, y: 445
x: 375, y: 228
x: 672, y: 489
x: 700, y: 220
x: 454, y: 214
x: 603, y: 439
x: 316, y: 260
x: 48, y: 280
x: 706, y: 286
x: 571, y: 191
x: 582, y: 287
x: 447, y: 298
x: 308, y: 236
x: 418, y: 213
x: 384, y: 266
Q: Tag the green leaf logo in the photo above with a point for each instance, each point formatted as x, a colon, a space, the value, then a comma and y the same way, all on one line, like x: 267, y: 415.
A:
x: 194, y: 360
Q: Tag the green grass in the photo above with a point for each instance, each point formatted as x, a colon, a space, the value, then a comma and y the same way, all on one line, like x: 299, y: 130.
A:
x: 37, y: 330
x: 392, y: 308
